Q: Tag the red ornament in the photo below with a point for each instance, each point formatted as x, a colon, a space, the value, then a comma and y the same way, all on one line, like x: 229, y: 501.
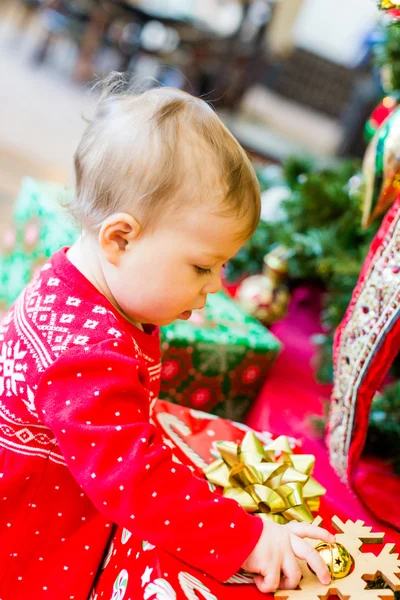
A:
x: 394, y: 13
x: 383, y: 110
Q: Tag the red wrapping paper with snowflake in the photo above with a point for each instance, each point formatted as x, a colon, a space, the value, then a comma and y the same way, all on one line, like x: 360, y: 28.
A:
x: 218, y: 360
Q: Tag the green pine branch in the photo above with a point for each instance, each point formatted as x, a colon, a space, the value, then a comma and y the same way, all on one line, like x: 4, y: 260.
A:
x: 322, y: 229
x: 387, y: 53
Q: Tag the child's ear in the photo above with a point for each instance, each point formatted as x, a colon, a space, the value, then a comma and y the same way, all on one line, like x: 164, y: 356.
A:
x: 115, y: 234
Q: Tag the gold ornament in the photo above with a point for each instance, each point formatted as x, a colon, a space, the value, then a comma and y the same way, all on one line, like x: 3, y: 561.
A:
x: 338, y: 560
x: 266, y: 296
x: 367, y: 568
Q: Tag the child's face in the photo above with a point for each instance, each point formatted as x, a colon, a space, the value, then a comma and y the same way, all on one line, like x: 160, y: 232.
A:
x: 165, y: 273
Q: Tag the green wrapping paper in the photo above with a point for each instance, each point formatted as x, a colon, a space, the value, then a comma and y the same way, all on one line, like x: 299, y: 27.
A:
x: 218, y: 360
x: 39, y: 228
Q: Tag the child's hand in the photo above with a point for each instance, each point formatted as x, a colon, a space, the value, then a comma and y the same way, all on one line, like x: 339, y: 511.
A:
x: 273, y: 560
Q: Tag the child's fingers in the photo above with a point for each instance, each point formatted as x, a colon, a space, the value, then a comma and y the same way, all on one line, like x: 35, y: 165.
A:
x: 270, y: 582
x: 306, y: 530
x: 303, y: 550
x: 292, y: 573
x: 263, y: 584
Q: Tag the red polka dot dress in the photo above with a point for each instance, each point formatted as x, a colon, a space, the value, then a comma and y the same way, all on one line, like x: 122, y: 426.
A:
x: 78, y: 452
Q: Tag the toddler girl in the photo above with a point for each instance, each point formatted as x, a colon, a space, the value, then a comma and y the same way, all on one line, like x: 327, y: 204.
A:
x: 165, y: 195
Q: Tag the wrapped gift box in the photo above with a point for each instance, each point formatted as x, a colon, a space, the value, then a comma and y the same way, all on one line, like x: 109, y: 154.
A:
x: 218, y: 360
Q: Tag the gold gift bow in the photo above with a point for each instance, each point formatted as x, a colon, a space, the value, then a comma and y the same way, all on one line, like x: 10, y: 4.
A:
x: 272, y: 482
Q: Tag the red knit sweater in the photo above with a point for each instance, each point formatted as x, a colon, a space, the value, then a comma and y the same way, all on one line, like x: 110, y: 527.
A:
x: 78, y: 452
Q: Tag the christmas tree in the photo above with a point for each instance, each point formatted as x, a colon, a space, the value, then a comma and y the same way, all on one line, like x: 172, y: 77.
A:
x: 321, y: 227
x: 387, y: 51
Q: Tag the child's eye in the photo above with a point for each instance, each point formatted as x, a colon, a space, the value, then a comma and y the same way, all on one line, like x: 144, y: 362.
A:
x: 202, y: 271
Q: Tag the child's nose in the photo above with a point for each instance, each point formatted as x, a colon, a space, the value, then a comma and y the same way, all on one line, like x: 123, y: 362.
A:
x: 214, y: 285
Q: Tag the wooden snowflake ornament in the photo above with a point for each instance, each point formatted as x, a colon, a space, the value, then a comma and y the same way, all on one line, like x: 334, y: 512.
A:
x: 367, y: 568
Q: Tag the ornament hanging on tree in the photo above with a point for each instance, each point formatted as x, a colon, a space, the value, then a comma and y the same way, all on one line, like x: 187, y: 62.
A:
x: 266, y: 296
x: 379, y: 115
x: 394, y: 14
x: 381, y: 169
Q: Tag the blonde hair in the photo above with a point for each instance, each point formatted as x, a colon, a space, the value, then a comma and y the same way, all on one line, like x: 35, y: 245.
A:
x: 145, y: 153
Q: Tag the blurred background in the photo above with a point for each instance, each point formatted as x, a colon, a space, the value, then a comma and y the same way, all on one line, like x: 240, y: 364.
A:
x: 288, y: 76
x: 311, y: 89
x: 304, y: 85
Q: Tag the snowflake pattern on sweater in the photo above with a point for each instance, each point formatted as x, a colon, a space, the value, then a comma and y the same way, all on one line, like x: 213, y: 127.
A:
x: 78, y: 451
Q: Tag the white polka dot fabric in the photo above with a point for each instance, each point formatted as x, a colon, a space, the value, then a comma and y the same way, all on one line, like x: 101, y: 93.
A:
x: 78, y: 452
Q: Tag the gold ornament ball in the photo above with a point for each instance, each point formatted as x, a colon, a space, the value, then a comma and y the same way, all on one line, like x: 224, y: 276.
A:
x: 338, y: 560
x: 256, y: 296
x: 266, y: 296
